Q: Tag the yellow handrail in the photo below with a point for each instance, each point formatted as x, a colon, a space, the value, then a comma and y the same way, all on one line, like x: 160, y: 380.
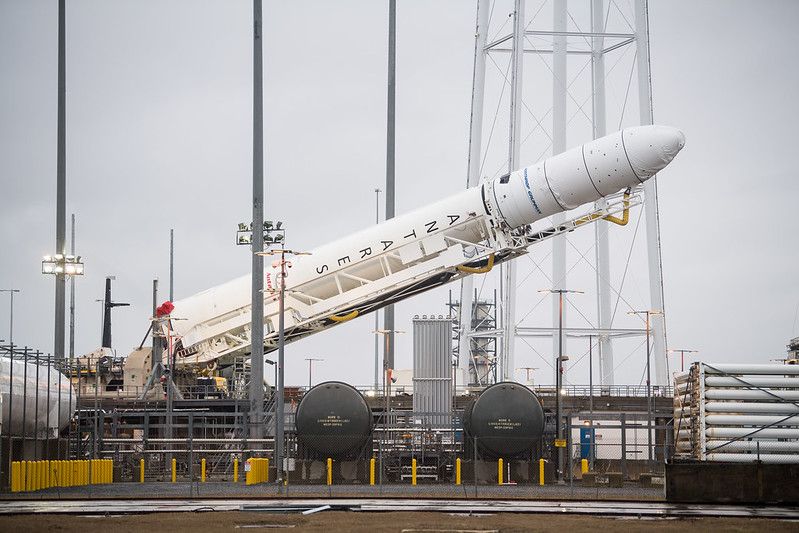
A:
x: 343, y: 318
x: 478, y: 270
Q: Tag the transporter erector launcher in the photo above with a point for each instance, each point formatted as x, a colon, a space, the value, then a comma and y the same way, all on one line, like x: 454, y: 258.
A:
x: 468, y: 232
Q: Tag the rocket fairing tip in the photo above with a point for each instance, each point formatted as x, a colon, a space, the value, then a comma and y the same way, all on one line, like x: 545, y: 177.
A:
x: 651, y: 148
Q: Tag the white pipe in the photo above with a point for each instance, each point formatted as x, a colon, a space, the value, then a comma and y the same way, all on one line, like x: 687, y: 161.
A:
x: 751, y: 407
x: 751, y: 420
x: 751, y: 458
x: 766, y: 433
x: 771, y: 370
x: 769, y: 447
x: 752, y: 394
x: 717, y: 381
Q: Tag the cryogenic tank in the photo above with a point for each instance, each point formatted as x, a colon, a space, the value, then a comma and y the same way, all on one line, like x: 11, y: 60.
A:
x: 28, y: 399
x: 333, y: 420
x: 507, y: 419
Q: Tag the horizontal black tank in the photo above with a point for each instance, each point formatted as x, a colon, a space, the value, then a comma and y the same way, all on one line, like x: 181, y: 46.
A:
x: 507, y: 419
x: 333, y: 420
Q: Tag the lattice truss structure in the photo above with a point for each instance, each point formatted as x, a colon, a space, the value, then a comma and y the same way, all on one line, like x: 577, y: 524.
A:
x: 550, y: 75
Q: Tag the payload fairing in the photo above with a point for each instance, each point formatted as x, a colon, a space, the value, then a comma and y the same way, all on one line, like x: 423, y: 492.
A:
x: 465, y: 233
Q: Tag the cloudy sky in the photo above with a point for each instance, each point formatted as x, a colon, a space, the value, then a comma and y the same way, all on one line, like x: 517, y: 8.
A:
x: 159, y: 137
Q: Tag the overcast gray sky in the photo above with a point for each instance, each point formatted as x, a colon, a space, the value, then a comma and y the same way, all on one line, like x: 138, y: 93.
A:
x: 159, y: 136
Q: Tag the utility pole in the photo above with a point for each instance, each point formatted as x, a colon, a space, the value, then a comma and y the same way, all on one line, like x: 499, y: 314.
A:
x: 280, y: 404
x: 682, y: 356
x: 72, y: 299
x: 648, y: 314
x: 11, y: 293
x: 559, y: 377
x: 311, y: 361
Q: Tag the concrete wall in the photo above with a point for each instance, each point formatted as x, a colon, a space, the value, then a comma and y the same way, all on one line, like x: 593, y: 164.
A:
x: 703, y: 482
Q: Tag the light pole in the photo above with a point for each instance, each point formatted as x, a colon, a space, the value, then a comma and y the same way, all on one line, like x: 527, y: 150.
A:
x: 559, y: 376
x: 648, y: 313
x: 311, y: 361
x: 280, y: 403
x: 377, y: 315
x: 682, y: 356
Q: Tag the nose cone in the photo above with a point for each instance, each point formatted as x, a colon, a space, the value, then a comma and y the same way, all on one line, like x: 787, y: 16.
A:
x: 650, y: 148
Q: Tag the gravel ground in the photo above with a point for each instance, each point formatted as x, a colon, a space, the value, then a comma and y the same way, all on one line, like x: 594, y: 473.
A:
x: 368, y: 522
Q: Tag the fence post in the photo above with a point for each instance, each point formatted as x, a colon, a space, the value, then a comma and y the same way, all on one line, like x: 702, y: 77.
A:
x: 499, y: 471
x: 202, y: 470
x: 329, y: 471
x: 413, y: 471
x: 235, y: 470
x: 372, y: 471
x: 458, y: 471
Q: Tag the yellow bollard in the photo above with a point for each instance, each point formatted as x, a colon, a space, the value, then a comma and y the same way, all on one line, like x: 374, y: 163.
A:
x: 584, y: 466
x: 202, y: 470
x: 248, y: 472
x: 266, y: 470
x: 329, y: 471
x: 39, y: 475
x: 15, y: 476
x: 235, y: 470
x: 28, y: 476
x: 458, y: 471
x: 541, y: 472
x: 372, y: 471
x: 141, y: 470
x: 174, y: 470
x: 499, y: 471
x: 413, y: 471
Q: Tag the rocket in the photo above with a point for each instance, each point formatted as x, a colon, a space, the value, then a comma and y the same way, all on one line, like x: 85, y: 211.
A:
x: 465, y: 233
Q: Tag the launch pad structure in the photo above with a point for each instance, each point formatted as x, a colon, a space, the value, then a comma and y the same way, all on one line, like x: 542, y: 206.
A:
x: 566, y: 43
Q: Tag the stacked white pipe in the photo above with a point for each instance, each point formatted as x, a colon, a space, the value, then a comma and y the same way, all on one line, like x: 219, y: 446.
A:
x: 737, y: 413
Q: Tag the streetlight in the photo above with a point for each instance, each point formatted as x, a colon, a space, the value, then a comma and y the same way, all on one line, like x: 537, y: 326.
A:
x: 648, y: 313
x: 682, y: 356
x: 280, y: 403
x: 559, y: 374
x: 273, y: 364
x: 61, y: 265
x: 311, y: 361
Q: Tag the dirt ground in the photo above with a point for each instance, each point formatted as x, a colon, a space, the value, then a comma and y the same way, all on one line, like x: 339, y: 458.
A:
x: 369, y: 522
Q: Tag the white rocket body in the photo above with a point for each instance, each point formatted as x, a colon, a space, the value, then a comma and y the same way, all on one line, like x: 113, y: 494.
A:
x: 420, y: 249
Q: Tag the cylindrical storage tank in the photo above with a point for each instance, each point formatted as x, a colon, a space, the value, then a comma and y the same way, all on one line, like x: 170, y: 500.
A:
x: 507, y: 419
x: 27, y: 399
x: 333, y: 420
